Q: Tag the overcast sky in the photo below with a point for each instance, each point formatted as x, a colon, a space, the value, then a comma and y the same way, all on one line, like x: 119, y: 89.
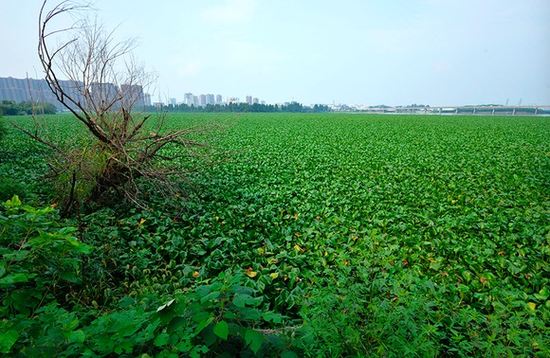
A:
x: 436, y: 52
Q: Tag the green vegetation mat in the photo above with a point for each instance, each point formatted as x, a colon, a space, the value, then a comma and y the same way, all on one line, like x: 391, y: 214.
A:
x: 321, y: 235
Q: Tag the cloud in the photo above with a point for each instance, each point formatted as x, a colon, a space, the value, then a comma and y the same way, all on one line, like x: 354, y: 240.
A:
x: 231, y: 11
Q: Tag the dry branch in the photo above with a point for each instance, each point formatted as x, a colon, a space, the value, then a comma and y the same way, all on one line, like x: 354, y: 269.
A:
x: 106, y: 85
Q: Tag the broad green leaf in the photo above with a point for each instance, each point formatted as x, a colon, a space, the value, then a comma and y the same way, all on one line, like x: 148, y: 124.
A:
x: 197, y: 350
x: 255, y: 339
x: 162, y: 339
x: 76, y: 336
x: 241, y: 300
x: 16, y: 278
x: 288, y: 354
x: 202, y: 324
x: 221, y: 329
x: 7, y: 339
x: 184, y: 346
x: 210, y: 296
x: 273, y: 317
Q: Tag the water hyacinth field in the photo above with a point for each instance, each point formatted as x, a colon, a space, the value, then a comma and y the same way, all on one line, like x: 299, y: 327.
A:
x: 355, y: 235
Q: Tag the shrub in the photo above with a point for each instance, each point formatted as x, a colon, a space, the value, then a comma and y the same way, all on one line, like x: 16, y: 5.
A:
x: 39, y: 262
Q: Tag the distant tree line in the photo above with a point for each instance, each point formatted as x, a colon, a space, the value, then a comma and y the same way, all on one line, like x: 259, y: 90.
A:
x: 244, y: 107
x: 11, y: 108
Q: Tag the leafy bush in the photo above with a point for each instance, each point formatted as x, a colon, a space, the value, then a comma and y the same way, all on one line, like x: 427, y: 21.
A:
x: 11, y: 108
x: 39, y: 263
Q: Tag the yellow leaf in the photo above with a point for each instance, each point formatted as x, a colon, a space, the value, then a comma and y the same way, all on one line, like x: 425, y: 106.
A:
x: 297, y: 234
x: 274, y: 275
x: 195, y: 274
x: 297, y: 248
x: 141, y: 222
x: 260, y: 251
x: 532, y: 306
x: 296, y: 216
x: 326, y: 254
x: 432, y: 260
x: 250, y: 273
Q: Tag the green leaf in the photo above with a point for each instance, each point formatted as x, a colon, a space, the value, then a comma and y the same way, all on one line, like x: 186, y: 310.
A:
x: 7, y: 339
x: 184, y: 346
x: 14, y: 201
x: 196, y: 352
x: 254, y: 338
x: 543, y: 294
x: 175, y: 323
x: 242, y: 300
x: 210, y: 296
x: 221, y: 329
x: 162, y: 339
x: 76, y: 336
x: 202, y: 324
x: 16, y: 278
x: 288, y: 354
x: 273, y: 317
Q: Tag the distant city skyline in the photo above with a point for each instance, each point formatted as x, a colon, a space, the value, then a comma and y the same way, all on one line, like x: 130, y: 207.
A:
x: 437, y: 52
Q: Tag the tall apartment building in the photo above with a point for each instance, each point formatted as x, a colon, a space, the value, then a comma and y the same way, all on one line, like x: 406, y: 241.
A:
x: 132, y: 96
x: 188, y: 98
x: 20, y: 90
x: 202, y: 100
x: 210, y: 99
x: 147, y: 99
x: 218, y: 99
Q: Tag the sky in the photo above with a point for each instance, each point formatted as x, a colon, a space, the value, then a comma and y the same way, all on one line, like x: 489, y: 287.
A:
x: 362, y: 52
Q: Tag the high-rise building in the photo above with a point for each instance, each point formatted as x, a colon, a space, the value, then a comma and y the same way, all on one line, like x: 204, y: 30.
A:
x: 218, y: 99
x: 202, y: 100
x: 249, y: 99
x: 18, y: 90
x: 132, y: 96
x: 255, y: 100
x: 188, y: 98
x: 209, y: 99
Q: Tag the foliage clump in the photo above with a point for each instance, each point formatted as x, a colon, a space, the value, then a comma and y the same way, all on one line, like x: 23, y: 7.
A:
x: 11, y: 108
